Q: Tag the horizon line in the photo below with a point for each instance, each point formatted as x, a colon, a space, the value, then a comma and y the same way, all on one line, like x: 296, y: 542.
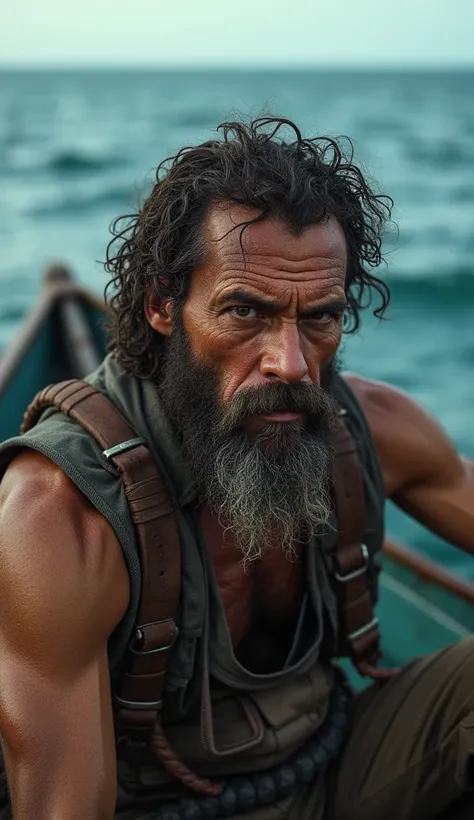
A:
x: 234, y: 67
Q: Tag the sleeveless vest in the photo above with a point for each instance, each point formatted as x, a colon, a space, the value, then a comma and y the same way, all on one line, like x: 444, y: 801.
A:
x: 292, y: 702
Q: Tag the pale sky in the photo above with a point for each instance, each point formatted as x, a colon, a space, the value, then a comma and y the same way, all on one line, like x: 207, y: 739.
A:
x: 243, y: 33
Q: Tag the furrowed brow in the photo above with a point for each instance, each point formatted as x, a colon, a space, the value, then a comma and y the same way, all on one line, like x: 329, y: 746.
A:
x: 252, y: 300
x: 249, y: 299
x: 329, y: 306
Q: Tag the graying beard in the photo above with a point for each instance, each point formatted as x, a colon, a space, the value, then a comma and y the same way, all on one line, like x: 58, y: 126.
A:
x: 248, y: 493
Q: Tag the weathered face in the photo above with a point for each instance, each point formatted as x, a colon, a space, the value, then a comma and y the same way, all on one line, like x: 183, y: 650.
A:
x: 274, y: 314
x: 242, y: 371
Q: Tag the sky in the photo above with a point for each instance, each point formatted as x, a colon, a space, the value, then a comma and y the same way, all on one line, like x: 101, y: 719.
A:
x: 241, y: 33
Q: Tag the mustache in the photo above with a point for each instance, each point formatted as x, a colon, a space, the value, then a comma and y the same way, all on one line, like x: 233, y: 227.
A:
x: 315, y: 402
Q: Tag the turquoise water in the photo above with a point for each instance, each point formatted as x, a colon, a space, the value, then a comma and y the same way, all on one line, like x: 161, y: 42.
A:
x: 76, y: 149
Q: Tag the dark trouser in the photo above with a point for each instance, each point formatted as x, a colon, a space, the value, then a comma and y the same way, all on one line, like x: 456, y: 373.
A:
x: 410, y: 755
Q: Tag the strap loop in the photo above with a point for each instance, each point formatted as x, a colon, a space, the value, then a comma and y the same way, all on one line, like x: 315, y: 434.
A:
x: 343, y: 579
x: 143, y: 639
x: 124, y: 447
x: 138, y: 705
x: 364, y: 630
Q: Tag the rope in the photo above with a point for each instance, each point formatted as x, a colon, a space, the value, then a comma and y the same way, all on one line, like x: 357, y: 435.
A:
x: 241, y: 794
x: 165, y: 754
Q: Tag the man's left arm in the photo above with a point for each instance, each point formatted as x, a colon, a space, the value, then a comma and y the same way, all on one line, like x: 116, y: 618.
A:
x: 423, y: 472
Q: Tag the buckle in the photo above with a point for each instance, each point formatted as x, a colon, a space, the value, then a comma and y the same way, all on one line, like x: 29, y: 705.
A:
x: 139, y: 636
x: 359, y: 633
x: 343, y: 579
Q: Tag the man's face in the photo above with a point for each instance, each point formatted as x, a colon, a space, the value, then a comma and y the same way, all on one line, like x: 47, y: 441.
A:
x: 273, y: 314
x: 246, y: 377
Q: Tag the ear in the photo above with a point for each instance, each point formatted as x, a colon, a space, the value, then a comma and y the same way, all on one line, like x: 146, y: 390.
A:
x: 159, y: 313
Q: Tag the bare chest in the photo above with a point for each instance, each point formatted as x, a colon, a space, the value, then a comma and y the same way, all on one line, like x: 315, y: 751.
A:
x: 261, y: 604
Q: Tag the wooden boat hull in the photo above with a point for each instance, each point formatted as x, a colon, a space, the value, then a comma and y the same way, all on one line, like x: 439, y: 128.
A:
x: 63, y: 337
x: 422, y: 608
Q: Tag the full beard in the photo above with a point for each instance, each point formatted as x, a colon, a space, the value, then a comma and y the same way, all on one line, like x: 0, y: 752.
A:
x: 269, y: 489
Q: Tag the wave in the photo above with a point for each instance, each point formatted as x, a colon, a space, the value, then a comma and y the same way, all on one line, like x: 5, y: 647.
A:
x: 456, y: 288
x: 71, y: 162
x: 27, y: 159
x: 441, y: 155
x: 12, y: 314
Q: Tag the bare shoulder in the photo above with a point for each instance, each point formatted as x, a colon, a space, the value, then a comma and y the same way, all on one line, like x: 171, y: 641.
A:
x: 381, y: 401
x: 61, y: 566
x: 63, y: 589
x: 412, y: 444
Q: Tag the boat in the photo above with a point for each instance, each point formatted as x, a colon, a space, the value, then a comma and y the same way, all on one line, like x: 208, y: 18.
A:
x: 422, y: 607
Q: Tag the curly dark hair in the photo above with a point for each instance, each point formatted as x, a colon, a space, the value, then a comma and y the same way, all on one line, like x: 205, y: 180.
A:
x: 302, y: 182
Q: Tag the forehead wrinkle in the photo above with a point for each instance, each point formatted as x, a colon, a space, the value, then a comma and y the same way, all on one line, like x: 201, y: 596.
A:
x: 335, y: 271
x: 327, y: 286
x: 273, y: 260
x: 303, y: 265
x: 306, y: 264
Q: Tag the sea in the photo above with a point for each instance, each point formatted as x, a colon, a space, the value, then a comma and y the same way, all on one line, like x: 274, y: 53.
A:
x: 79, y: 148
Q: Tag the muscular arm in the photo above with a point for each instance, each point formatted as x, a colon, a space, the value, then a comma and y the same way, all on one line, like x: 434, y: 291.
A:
x: 63, y: 589
x: 423, y: 472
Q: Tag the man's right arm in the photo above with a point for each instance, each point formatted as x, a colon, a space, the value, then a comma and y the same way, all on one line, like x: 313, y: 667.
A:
x: 63, y: 589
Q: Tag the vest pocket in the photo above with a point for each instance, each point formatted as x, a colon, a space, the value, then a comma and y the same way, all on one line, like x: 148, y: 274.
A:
x: 295, y: 710
x: 288, y: 716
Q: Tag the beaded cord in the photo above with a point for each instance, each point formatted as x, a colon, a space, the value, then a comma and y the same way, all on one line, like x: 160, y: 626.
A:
x: 240, y: 795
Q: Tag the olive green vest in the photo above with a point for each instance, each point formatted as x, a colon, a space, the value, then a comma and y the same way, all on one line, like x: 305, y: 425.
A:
x: 293, y: 700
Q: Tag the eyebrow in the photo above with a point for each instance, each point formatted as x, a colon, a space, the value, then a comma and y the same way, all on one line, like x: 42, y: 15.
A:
x: 272, y: 306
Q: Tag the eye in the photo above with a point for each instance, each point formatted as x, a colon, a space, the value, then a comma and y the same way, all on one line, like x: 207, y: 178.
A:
x: 322, y: 318
x: 243, y: 312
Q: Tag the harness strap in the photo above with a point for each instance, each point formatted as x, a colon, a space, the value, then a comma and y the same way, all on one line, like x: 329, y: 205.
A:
x: 358, y: 625
x: 138, y: 699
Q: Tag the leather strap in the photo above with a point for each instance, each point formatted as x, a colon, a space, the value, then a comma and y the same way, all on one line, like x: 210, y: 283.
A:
x: 138, y: 699
x: 359, y: 628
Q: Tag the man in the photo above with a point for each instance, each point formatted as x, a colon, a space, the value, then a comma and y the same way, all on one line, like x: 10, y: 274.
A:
x: 232, y: 287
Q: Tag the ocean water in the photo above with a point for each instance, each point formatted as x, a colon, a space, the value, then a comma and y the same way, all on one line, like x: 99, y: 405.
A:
x: 79, y: 148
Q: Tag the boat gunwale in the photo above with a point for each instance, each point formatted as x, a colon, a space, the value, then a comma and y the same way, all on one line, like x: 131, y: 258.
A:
x: 428, y: 571
x: 34, y: 322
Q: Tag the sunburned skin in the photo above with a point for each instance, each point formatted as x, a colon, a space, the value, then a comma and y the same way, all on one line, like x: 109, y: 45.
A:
x: 302, y: 280
x: 269, y: 592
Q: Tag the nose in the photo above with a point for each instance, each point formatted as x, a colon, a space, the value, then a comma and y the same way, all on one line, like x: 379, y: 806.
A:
x: 283, y: 357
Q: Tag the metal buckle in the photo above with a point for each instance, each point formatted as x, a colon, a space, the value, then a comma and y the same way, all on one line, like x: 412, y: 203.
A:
x: 124, y: 447
x: 138, y: 706
x: 139, y: 637
x: 359, y: 633
x: 357, y: 572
